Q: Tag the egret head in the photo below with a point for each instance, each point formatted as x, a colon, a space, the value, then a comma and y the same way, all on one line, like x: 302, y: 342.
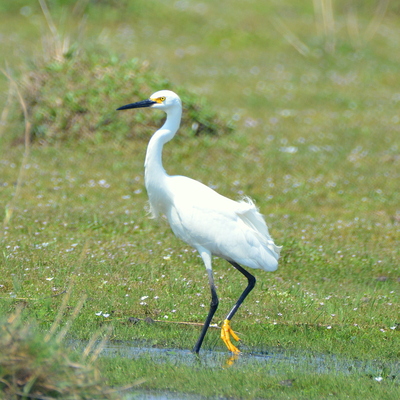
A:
x: 163, y: 100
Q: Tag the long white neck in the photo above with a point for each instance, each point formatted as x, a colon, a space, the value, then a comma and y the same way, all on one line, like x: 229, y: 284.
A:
x: 153, y: 163
x: 154, y: 172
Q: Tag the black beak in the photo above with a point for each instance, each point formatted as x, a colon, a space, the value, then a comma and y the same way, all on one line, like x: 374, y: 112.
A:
x: 139, y: 104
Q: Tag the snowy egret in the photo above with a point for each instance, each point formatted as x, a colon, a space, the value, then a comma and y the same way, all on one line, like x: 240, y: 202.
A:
x: 211, y: 223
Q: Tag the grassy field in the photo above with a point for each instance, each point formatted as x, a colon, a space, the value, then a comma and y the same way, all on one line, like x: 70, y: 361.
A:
x: 314, y: 96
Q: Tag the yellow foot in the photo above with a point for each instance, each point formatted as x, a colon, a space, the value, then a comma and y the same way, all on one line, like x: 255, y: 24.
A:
x: 231, y: 360
x: 226, y: 332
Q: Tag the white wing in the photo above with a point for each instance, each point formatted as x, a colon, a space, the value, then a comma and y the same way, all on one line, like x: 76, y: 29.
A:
x: 232, y: 230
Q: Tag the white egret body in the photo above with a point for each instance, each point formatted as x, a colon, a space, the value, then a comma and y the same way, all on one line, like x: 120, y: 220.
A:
x: 209, y: 222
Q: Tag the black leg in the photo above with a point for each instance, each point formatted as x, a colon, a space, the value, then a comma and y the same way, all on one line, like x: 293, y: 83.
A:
x: 213, y: 308
x: 226, y: 330
x: 251, y: 283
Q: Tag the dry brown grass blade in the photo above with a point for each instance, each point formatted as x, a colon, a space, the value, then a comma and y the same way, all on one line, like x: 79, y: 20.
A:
x: 71, y: 319
x: 34, y: 298
x: 324, y: 13
x: 6, y: 109
x: 101, y: 345
x: 33, y: 396
x: 60, y: 314
x: 91, y: 344
x: 377, y: 19
x: 283, y: 29
x: 186, y: 323
x: 14, y: 317
x: 327, y: 17
x: 66, y: 298
x: 57, y: 46
x: 82, y: 255
x: 318, y: 17
x: 79, y: 7
x: 27, y: 136
x: 48, y: 17
x: 126, y: 387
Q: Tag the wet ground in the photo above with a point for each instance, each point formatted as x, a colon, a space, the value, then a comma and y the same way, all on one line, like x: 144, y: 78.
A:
x: 315, y: 363
x: 222, y: 359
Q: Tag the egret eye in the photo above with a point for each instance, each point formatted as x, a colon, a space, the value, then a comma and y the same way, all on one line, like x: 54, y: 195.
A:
x: 159, y: 100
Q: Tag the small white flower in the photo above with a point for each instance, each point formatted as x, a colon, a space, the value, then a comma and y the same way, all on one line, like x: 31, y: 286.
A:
x: 106, y: 315
x: 378, y: 379
x: 49, y: 279
x: 166, y: 316
x: 99, y: 313
x: 289, y: 149
x: 144, y: 297
x: 328, y: 327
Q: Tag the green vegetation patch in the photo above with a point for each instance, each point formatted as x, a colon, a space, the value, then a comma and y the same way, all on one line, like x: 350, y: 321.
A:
x: 36, y: 366
x: 75, y: 98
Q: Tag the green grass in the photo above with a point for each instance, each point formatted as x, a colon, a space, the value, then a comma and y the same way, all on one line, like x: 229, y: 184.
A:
x: 316, y: 146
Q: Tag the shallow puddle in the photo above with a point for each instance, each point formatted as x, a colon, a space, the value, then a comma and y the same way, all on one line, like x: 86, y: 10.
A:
x: 216, y: 359
x: 149, y: 395
x: 275, y: 360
